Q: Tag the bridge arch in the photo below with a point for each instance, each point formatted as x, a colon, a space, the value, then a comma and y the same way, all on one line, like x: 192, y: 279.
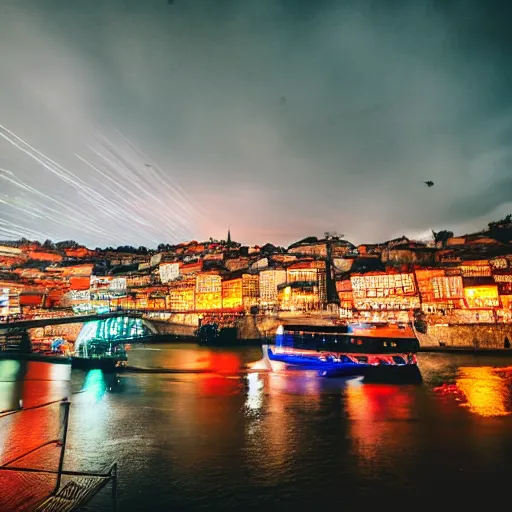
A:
x: 119, y: 329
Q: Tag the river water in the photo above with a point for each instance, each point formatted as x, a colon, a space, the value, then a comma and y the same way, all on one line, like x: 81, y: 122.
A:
x: 233, y: 440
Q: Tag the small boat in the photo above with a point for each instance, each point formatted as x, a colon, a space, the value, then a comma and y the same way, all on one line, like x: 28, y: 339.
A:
x: 100, y: 355
x: 210, y: 334
x: 343, y: 350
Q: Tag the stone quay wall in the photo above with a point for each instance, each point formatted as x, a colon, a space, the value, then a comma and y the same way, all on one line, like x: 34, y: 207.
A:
x: 470, y: 336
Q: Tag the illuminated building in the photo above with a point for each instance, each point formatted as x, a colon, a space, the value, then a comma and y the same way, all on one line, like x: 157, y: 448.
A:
x: 482, y: 297
x: 182, y: 295
x: 473, y: 292
x: 31, y: 299
x: 261, y: 264
x: 9, y: 298
x: 346, y: 296
x: 381, y: 296
x: 270, y: 279
x: 150, y: 298
x: 298, y: 296
x: 498, y: 264
x: 284, y: 258
x: 438, y: 291
x: 240, y: 292
x: 503, y: 279
x: 135, y: 280
x: 45, y: 256
x: 409, y: 252
x: 79, y: 252
x: 4, y: 301
x: 208, y: 291
x: 312, y: 272
x: 10, y: 257
x: 10, y: 251
x: 189, y: 269
x: 343, y: 264
x: 234, y: 264
x: 306, y: 286
x: 475, y: 269
x: 77, y: 298
x: 331, y: 245
x: 313, y: 249
x: 214, y: 257
x: 232, y: 293
x: 84, y: 270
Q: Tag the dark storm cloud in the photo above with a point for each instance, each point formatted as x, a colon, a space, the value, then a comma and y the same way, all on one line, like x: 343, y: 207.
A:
x: 281, y: 119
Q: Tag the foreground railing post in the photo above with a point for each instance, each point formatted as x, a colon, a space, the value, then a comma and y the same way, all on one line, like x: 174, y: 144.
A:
x: 64, y: 417
x: 114, y: 487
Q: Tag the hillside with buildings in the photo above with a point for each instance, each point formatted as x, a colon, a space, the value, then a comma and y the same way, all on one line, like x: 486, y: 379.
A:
x: 468, y: 278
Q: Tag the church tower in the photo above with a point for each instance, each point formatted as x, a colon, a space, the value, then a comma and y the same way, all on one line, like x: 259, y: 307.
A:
x: 229, y: 236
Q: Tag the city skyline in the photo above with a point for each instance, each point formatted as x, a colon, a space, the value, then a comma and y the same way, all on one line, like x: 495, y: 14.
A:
x: 148, y: 122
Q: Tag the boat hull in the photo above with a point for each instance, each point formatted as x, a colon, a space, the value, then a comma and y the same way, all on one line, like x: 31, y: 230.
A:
x: 309, y: 360
x: 400, y: 374
x: 105, y: 364
x: 374, y: 367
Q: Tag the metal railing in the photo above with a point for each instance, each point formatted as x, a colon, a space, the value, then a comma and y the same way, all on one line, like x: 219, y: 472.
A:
x: 79, y: 490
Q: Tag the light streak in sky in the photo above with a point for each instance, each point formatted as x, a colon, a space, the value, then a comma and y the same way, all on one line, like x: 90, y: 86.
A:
x: 117, y: 196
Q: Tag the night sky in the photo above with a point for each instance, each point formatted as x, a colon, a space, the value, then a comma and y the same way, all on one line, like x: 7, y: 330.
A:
x: 144, y: 121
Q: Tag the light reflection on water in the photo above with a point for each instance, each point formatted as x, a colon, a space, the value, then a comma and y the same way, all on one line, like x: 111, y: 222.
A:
x: 233, y: 440
x: 485, y: 391
x: 255, y: 387
x: 25, y: 384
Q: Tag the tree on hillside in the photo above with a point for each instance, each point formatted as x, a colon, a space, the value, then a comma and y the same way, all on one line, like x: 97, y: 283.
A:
x: 506, y: 222
x: 164, y: 247
x: 268, y: 249
x: 48, y: 244
x: 308, y: 240
x: 442, y: 236
x: 67, y: 244
x: 502, y: 229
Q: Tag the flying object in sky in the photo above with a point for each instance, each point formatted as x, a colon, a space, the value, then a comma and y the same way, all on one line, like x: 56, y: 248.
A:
x: 429, y: 183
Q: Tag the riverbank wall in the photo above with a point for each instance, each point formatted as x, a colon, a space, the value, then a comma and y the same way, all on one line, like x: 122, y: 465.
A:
x: 467, y: 336
x: 260, y: 327
x: 256, y: 328
x: 250, y: 327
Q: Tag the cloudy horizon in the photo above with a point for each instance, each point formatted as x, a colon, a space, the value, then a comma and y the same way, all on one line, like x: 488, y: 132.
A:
x: 127, y: 122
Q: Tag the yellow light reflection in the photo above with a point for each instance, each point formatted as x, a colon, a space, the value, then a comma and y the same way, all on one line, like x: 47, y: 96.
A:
x: 484, y: 390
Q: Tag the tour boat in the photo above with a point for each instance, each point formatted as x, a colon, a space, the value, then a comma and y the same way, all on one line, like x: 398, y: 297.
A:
x: 344, y: 350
